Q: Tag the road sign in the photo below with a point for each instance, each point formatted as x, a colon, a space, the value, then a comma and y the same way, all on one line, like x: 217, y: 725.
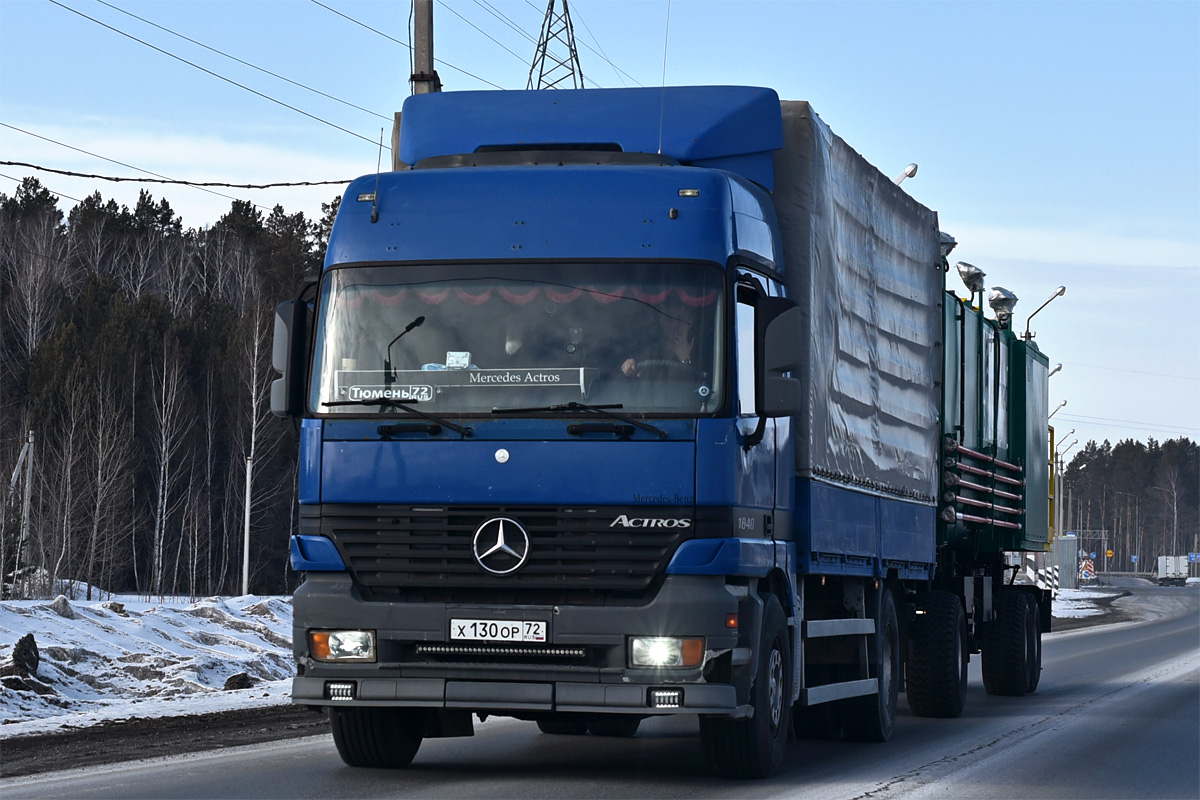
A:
x: 1193, y: 558
x: 1109, y: 553
x: 1134, y: 559
x: 1093, y: 554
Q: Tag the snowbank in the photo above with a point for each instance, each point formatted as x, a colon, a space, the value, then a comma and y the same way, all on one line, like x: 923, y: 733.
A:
x: 127, y: 658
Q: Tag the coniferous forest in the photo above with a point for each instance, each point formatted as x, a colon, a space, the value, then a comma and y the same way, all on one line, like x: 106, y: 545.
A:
x: 138, y: 352
x: 1140, y: 498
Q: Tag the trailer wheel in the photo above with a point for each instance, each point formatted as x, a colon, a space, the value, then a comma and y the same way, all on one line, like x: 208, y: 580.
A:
x: 936, y: 676
x: 563, y: 725
x: 614, y: 725
x: 382, y: 738
x: 1012, y: 649
x: 870, y: 718
x: 754, y: 747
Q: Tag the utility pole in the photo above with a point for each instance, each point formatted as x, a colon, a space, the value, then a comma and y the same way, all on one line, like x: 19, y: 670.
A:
x: 24, y: 463
x: 552, y: 69
x: 424, y: 77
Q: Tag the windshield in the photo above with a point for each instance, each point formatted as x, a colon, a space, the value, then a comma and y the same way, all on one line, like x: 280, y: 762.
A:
x: 467, y: 339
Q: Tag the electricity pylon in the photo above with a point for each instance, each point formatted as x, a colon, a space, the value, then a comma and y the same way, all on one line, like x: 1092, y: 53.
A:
x: 553, y: 70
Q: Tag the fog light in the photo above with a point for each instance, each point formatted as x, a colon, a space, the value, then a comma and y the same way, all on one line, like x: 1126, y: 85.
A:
x: 665, y: 651
x: 339, y: 690
x: 342, y: 645
x: 666, y: 698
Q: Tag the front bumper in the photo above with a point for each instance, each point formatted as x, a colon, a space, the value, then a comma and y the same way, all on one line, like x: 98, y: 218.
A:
x: 581, y: 668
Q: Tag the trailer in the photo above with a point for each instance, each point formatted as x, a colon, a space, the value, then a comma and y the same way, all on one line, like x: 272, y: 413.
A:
x: 626, y: 403
x: 1172, y: 570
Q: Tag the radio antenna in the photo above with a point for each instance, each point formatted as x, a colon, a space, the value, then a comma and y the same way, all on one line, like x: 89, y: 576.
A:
x: 663, y: 98
x: 375, y: 194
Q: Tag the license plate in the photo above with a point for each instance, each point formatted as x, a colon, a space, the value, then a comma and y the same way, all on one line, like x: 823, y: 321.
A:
x: 496, y: 630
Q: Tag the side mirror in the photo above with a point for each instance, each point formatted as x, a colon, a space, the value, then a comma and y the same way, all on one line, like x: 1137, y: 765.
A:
x: 288, y: 356
x: 780, y: 324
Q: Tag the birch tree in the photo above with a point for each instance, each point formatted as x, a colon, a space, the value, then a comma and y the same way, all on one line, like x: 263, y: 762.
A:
x: 171, y: 420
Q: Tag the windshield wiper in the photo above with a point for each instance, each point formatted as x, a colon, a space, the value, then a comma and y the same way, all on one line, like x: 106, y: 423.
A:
x: 384, y: 401
x: 598, y: 410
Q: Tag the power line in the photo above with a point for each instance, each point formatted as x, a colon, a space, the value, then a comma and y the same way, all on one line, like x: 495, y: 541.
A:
x: 402, y: 44
x: 485, y: 33
x: 245, y: 63
x: 214, y: 74
x: 1108, y: 422
x: 113, y: 160
x: 498, y: 14
x: 169, y: 180
x: 603, y: 56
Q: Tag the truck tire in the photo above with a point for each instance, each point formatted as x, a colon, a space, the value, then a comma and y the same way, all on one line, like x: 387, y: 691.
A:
x: 936, y: 675
x: 870, y: 718
x: 1012, y: 649
x: 563, y: 725
x: 614, y: 725
x: 755, y: 747
x: 380, y: 738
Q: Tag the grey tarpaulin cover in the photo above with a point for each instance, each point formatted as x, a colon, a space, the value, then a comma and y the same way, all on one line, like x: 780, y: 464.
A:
x: 862, y: 259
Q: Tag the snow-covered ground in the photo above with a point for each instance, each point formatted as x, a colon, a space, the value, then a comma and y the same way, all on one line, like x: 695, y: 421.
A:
x: 127, y: 658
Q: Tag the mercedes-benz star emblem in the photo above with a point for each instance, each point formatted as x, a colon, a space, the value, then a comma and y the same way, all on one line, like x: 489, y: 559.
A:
x: 501, y: 546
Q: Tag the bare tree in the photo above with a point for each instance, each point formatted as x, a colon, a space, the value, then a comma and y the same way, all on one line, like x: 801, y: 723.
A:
x: 97, y: 247
x: 171, y: 421
x: 65, y: 487
x: 1169, y: 477
x: 36, y: 279
x: 137, y: 268
x: 177, y: 278
x: 110, y: 441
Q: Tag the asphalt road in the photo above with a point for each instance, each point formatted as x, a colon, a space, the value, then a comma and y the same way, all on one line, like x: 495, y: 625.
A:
x: 1117, y: 715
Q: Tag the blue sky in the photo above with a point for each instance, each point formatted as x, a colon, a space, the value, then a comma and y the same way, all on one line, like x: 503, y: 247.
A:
x: 1059, y: 142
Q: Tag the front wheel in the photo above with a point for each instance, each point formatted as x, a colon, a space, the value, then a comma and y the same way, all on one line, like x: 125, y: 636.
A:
x: 381, y: 738
x: 754, y: 747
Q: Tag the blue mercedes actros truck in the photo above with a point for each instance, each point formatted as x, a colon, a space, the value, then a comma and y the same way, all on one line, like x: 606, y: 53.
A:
x: 624, y: 403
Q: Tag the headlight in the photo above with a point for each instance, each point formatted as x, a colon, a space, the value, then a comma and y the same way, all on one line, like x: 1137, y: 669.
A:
x: 342, y: 645
x: 665, y: 651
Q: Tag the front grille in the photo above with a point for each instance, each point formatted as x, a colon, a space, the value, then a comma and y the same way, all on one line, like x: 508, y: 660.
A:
x: 420, y: 554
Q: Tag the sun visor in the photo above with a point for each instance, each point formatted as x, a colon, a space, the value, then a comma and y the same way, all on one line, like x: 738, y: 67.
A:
x: 734, y: 128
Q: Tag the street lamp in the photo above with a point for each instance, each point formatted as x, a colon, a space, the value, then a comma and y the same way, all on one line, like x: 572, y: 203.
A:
x: 1072, y: 444
x: 909, y: 171
x: 1057, y: 367
x: 1055, y: 411
x: 1059, y: 292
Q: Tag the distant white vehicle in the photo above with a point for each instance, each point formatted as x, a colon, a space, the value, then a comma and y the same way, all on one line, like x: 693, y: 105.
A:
x: 1172, y: 570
